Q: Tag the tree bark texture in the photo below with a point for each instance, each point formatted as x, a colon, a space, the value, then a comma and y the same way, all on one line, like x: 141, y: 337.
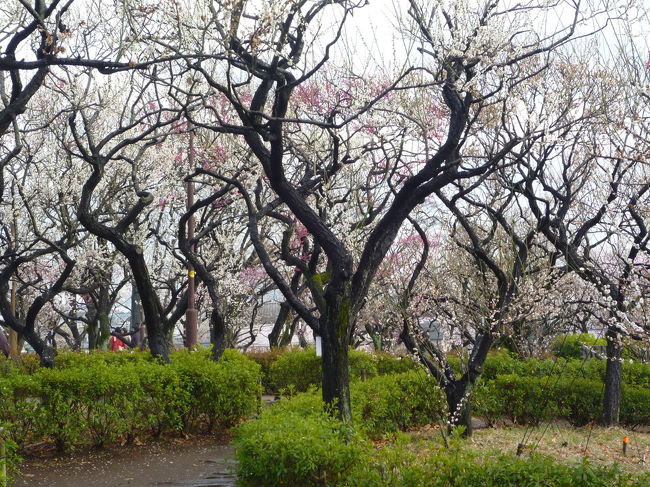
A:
x: 613, y: 376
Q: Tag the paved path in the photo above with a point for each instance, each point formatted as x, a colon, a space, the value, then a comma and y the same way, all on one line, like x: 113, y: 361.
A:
x: 160, y: 464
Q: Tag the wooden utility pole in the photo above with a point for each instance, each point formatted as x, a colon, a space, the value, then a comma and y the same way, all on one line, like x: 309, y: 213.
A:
x: 191, y: 327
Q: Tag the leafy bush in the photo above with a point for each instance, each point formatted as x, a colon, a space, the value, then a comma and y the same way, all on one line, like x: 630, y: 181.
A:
x: 27, y: 363
x: 394, y: 364
x: 529, y: 400
x: 363, y: 365
x: 166, y: 400
x: 108, y: 399
x: 579, y: 401
x: 570, y: 346
x: 20, y: 408
x: 8, y: 455
x: 265, y: 359
x: 295, y: 369
x: 396, y: 402
x: 71, y: 360
x: 62, y: 398
x: 291, y: 448
x: 635, y: 405
x: 221, y: 393
x: 300, y: 369
x: 523, y: 400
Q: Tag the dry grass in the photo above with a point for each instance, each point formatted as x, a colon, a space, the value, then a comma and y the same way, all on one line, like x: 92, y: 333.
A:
x: 565, y: 443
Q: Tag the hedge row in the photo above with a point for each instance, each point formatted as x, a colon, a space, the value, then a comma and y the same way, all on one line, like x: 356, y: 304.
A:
x: 296, y: 370
x: 103, y: 401
x: 504, y: 363
x: 523, y: 391
x: 531, y: 400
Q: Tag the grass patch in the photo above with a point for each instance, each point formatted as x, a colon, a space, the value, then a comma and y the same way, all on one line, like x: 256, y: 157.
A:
x: 568, y: 445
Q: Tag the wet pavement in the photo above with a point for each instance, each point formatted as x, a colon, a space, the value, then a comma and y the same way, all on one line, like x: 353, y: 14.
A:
x: 160, y: 464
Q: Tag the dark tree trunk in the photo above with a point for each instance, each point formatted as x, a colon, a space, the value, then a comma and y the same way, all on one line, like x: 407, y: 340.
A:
x: 336, y: 377
x: 217, y: 333
x: 613, y: 374
x: 156, y: 332
x: 136, y: 317
x: 159, y: 346
x: 93, y: 330
x: 45, y: 352
x: 103, y: 315
x: 287, y: 336
x: 4, y: 343
x: 460, y: 405
x: 27, y: 328
x: 335, y: 332
x: 281, y: 326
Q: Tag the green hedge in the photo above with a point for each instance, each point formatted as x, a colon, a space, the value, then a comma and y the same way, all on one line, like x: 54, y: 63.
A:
x: 531, y: 400
x: 296, y: 444
x: 396, y: 402
x: 299, y: 369
x: 219, y: 391
x: 570, y: 346
x: 265, y: 359
x: 504, y: 363
x: 114, y: 400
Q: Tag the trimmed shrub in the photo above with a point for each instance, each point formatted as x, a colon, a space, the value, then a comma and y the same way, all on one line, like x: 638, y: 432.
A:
x: 635, y: 405
x: 394, y: 364
x: 265, y: 359
x: 363, y: 365
x: 570, y: 346
x: 221, y: 393
x: 20, y: 408
x: 10, y: 459
x: 520, y: 399
x: 579, y: 401
x: 295, y: 443
x: 166, y: 400
x: 71, y: 360
x: 106, y: 400
x: 27, y: 363
x: 396, y: 402
x: 297, y: 370
x: 293, y: 449
x: 62, y: 399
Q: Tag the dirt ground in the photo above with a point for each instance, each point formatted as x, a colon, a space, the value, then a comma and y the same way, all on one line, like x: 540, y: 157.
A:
x: 566, y: 443
x: 194, y: 462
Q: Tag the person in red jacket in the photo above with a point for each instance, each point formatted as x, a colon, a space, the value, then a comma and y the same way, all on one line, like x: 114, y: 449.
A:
x: 115, y: 343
